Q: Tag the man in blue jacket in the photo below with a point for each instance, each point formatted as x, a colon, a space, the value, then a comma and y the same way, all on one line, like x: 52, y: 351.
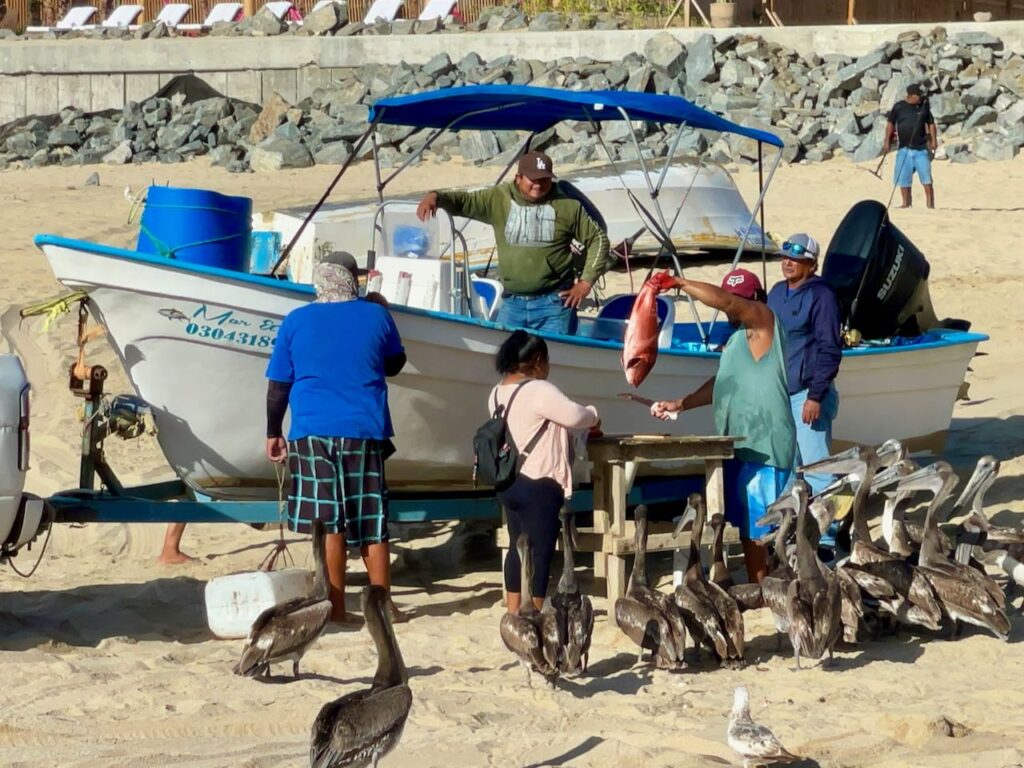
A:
x: 807, y: 309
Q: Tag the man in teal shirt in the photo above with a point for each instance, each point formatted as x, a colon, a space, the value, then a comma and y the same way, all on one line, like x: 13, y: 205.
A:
x: 535, y: 221
x: 750, y: 400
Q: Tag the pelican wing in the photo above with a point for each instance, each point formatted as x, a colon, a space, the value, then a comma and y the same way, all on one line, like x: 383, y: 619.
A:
x: 520, y: 636
x: 551, y: 635
x: 579, y: 631
x: 702, y: 621
x: 729, y: 613
x: 351, y: 730
x: 800, y: 614
x: 283, y: 630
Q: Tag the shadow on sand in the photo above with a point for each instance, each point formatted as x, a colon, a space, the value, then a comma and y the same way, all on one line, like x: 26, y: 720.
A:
x: 567, y: 758
x: 161, y: 609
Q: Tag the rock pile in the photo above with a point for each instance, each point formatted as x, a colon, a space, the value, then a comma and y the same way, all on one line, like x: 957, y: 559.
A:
x: 822, y: 107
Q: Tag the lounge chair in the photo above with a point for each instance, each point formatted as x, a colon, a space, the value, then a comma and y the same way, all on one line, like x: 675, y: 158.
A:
x: 437, y: 9
x: 282, y: 9
x: 121, y: 17
x: 75, y: 18
x: 219, y: 13
x: 172, y: 14
x: 382, y: 10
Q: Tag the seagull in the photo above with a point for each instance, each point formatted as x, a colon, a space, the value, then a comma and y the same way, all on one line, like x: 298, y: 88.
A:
x: 754, y: 743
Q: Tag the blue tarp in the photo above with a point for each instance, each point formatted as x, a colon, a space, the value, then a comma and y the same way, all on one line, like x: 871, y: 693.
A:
x: 526, y: 108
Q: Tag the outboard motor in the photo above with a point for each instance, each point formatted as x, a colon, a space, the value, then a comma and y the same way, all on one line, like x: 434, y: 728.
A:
x: 880, y: 278
x: 20, y: 515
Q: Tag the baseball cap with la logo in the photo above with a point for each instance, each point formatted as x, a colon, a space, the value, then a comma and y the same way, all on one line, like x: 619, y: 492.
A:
x: 536, y: 166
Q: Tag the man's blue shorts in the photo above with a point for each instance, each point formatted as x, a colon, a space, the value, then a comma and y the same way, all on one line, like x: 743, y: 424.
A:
x: 910, y: 161
x: 750, y: 488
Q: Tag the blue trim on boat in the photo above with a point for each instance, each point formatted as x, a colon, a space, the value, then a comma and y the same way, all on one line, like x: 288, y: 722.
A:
x: 935, y: 339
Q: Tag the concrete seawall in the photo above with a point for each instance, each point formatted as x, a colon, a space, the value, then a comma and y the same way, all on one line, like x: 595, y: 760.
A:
x: 43, y: 76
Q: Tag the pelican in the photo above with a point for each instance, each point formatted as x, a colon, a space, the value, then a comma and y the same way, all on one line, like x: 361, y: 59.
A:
x: 648, y: 618
x: 751, y: 741
x: 965, y: 594
x: 996, y: 537
x: 813, y: 599
x: 285, y: 632
x: 775, y: 585
x: 363, y: 726
x: 711, y: 615
x: 719, y: 570
x: 530, y: 634
x: 573, y: 611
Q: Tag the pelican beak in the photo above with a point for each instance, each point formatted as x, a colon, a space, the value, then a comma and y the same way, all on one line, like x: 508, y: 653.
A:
x: 688, y: 518
x: 851, y: 460
x: 974, y: 485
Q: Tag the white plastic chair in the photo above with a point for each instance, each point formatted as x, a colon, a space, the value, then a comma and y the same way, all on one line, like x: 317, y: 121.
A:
x: 382, y: 10
x: 75, y: 18
x: 280, y: 8
x: 121, y: 17
x: 219, y: 13
x: 171, y: 15
x: 437, y: 9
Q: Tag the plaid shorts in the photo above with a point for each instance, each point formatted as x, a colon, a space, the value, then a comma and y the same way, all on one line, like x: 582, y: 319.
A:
x: 340, y: 482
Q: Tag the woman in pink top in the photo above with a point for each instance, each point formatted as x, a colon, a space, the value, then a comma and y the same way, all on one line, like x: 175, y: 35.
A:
x: 540, y: 412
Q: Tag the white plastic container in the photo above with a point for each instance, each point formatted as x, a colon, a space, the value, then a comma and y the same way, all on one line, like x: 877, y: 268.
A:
x: 233, y: 602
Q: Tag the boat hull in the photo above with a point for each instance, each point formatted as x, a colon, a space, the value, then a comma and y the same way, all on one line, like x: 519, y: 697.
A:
x: 195, y: 344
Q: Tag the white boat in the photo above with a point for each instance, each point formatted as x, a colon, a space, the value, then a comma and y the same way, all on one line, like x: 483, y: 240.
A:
x: 705, y: 212
x: 195, y: 340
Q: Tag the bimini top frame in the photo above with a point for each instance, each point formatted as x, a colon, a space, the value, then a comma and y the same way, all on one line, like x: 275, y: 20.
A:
x: 533, y: 109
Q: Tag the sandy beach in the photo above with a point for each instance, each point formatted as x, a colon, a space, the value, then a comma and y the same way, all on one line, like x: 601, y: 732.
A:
x: 106, y: 658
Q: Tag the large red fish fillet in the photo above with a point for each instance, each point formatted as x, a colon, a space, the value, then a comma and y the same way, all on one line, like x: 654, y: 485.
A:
x: 640, y: 347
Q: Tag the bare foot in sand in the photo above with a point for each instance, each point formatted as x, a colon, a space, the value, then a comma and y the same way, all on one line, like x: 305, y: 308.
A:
x: 175, y: 558
x: 346, y: 621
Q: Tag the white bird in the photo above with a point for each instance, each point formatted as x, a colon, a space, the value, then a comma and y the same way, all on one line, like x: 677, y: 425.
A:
x: 754, y: 743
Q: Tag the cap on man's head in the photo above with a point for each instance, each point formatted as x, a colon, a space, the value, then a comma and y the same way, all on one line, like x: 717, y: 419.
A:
x: 914, y: 89
x: 536, y: 166
x: 743, y: 283
x: 801, y: 246
x: 346, y: 260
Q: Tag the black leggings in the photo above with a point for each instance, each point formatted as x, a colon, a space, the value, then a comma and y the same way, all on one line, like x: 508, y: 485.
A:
x: 532, y: 507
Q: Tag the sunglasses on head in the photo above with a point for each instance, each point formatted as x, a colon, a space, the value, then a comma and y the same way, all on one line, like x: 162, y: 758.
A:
x: 795, y: 249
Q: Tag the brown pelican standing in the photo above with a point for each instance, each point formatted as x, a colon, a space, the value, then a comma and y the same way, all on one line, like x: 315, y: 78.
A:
x: 530, y: 634
x: 711, y: 615
x: 648, y: 618
x: 285, y: 632
x: 813, y: 599
x: 965, y: 594
x: 361, y: 727
x: 573, y: 610
x: 719, y: 572
x: 751, y: 741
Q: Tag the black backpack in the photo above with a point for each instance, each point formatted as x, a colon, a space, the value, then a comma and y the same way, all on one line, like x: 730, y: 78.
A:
x: 496, y: 460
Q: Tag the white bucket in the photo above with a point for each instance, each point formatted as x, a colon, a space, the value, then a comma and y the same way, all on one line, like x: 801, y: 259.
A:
x: 233, y: 602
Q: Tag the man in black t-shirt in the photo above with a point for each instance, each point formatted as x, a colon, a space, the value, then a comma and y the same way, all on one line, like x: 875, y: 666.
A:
x: 912, y: 122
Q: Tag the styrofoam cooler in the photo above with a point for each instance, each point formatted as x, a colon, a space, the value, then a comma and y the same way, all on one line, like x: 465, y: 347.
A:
x: 233, y: 602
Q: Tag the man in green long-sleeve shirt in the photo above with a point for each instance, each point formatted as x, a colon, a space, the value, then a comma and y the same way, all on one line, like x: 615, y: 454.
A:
x: 535, y: 222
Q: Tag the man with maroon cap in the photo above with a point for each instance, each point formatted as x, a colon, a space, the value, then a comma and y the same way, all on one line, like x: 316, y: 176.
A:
x: 750, y: 399
x: 535, y: 221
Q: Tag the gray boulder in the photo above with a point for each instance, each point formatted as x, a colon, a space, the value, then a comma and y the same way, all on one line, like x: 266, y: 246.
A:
x: 276, y: 153
x: 735, y: 72
x: 947, y: 108
x: 982, y: 93
x: 479, y: 145
x: 981, y: 116
x: 1012, y: 76
x: 994, y: 148
x: 666, y: 54
x: 700, y: 60
x: 325, y: 20
x: 871, y: 147
x: 969, y: 39
x: 335, y: 153
x: 548, y: 21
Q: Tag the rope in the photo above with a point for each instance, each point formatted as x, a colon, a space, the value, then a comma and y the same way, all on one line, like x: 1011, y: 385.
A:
x: 53, y: 308
x: 280, y: 548
x: 49, y: 530
x: 167, y: 252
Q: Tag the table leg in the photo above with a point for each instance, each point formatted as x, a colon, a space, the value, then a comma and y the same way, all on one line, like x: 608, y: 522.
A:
x: 714, y: 473
x: 616, y: 583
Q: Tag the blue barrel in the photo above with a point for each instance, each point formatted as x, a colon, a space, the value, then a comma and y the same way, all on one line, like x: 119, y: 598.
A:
x: 197, y: 226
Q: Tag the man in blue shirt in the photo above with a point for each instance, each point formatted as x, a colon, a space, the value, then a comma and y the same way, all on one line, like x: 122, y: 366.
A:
x: 329, y: 366
x: 807, y: 309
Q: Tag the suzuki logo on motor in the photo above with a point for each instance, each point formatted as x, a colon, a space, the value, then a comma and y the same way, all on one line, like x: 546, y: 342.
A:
x: 891, y: 277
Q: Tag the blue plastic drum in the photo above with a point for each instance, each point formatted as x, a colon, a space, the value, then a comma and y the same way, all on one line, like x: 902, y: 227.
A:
x: 197, y: 226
